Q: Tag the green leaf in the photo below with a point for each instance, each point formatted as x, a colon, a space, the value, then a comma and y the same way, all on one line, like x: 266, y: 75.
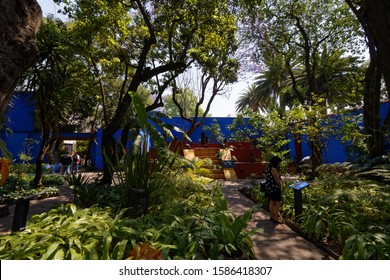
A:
x: 59, y: 254
x: 74, y: 255
x: 73, y: 209
x: 107, y: 240
x: 140, y: 109
x: 119, y: 250
x: 318, y: 229
x: 90, y: 249
x: 361, y: 248
x: 3, y: 148
x: 51, y: 251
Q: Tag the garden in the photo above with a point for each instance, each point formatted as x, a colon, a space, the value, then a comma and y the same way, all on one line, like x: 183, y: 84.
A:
x: 180, y: 213
x: 169, y: 213
x: 18, y: 183
x: 318, y: 74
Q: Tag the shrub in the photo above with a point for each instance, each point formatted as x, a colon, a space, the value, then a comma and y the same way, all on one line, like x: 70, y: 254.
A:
x: 366, y: 246
x: 20, y: 186
x: 69, y: 233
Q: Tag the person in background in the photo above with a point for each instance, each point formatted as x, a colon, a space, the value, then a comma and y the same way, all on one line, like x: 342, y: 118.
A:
x: 66, y: 162
x: 75, y: 162
x: 273, y: 190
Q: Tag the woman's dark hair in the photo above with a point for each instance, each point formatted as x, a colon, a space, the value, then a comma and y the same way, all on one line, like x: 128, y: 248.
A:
x: 274, y: 161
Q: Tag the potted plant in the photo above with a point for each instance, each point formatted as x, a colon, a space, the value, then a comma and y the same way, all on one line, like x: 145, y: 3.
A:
x: 226, y: 157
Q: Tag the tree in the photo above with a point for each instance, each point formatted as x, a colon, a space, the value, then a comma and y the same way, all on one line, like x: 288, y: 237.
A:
x: 148, y: 43
x: 187, y: 102
x: 209, y: 81
x: 301, y: 33
x: 374, y: 17
x: 56, y: 84
x: 266, y: 93
x: 338, y: 77
x: 19, y: 20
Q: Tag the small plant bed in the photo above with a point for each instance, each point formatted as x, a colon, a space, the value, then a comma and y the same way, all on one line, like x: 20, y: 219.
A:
x: 17, y: 187
x: 347, y: 212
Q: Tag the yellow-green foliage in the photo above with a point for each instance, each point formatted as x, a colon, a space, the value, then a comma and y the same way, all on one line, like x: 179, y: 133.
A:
x: 188, y: 221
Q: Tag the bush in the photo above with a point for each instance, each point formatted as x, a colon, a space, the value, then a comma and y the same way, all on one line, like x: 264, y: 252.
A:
x: 20, y: 186
x: 69, y: 233
x: 366, y: 246
x: 52, y: 180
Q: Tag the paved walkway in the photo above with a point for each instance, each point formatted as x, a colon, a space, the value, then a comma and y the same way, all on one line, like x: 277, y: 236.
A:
x: 277, y: 242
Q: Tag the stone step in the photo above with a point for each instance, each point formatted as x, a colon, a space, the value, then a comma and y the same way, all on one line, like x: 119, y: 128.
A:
x: 211, y: 153
x: 207, y: 153
x: 219, y: 177
x: 216, y: 171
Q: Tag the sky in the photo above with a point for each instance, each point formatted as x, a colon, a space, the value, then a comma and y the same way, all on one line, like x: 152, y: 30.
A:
x: 222, y: 106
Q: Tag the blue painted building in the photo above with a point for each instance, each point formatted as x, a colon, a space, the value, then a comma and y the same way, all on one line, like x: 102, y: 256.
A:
x: 19, y: 126
x: 19, y: 129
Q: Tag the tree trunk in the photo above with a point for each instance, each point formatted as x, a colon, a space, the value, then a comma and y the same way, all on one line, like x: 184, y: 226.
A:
x: 45, y: 145
x: 108, y: 141
x: 374, y: 17
x: 19, y: 21
x: 194, y: 126
x: 371, y: 110
x: 376, y: 13
x: 316, y: 155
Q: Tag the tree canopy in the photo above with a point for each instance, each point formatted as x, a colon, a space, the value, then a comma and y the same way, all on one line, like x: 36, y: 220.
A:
x: 150, y: 43
x: 304, y: 52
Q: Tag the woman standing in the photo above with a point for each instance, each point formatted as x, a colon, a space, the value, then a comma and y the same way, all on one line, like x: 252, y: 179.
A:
x: 273, y: 189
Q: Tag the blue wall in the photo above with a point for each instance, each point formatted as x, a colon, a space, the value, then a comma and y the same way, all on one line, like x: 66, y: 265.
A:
x: 20, y: 120
x: 335, y: 152
x: 22, y: 124
x: 16, y: 144
x: 196, y: 135
x: 21, y: 113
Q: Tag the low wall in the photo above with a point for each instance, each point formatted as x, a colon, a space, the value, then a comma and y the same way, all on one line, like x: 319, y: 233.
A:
x: 246, y: 169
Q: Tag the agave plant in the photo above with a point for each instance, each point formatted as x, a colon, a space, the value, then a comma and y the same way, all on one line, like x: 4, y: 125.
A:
x: 134, y: 173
